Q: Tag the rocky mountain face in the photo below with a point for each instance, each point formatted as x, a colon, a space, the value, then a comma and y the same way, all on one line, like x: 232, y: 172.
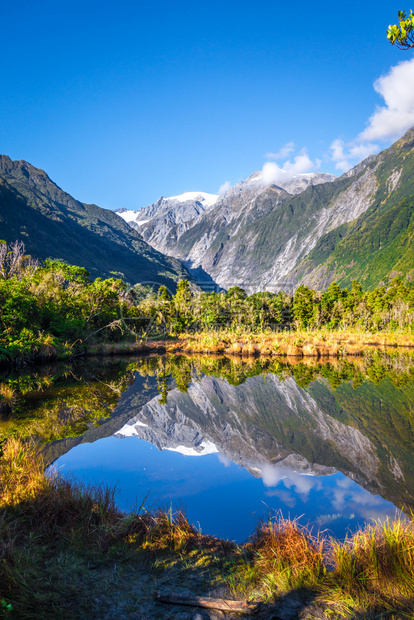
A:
x: 175, y: 223
x: 52, y: 224
x: 154, y: 221
x: 311, y: 229
x: 272, y: 420
x: 211, y: 417
x: 255, y: 234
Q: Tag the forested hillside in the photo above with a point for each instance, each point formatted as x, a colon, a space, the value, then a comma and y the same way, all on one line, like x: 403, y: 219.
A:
x: 54, y: 225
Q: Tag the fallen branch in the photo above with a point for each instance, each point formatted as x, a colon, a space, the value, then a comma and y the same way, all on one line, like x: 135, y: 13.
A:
x: 207, y: 602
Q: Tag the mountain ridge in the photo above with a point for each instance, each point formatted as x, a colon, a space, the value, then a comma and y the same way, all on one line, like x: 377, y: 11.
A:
x: 379, y: 243
x: 310, y: 229
x: 261, y: 237
x: 163, y: 222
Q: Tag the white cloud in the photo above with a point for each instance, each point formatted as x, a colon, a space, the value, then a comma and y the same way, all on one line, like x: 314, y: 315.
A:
x: 391, y: 121
x: 272, y: 475
x: 285, y: 151
x: 225, y: 187
x: 273, y: 173
x: 339, y: 156
x: 345, y: 155
x: 224, y: 459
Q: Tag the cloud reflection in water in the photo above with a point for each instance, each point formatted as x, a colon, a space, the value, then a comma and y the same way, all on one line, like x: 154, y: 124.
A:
x: 346, y: 498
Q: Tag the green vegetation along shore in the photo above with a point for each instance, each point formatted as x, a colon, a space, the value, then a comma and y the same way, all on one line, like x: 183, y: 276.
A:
x: 53, y: 310
x: 66, y: 551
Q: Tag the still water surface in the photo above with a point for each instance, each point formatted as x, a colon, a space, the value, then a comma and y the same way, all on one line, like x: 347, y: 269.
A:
x: 232, y: 442
x: 220, y: 497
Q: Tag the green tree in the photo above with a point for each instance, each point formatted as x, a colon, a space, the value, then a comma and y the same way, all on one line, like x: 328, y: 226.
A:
x: 235, y: 292
x: 303, y: 306
x: 183, y: 303
x: 402, y: 34
x: 183, y: 295
x: 163, y: 293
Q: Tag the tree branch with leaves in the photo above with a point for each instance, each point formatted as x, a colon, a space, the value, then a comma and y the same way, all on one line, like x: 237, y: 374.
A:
x: 402, y: 34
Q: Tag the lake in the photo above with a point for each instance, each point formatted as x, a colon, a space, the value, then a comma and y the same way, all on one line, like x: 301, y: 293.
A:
x: 232, y: 442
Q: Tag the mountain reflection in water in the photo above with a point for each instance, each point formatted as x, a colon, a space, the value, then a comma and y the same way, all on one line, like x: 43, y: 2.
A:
x: 332, y: 442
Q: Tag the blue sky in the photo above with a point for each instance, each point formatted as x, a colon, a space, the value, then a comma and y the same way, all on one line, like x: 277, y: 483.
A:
x: 122, y: 102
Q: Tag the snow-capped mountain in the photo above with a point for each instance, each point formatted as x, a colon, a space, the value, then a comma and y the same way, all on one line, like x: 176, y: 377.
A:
x: 168, y: 212
x: 164, y: 222
x: 207, y: 200
x: 311, y: 229
x: 241, y: 206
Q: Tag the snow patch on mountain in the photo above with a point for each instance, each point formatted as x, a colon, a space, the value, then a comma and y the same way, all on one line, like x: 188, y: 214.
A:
x: 129, y: 215
x: 205, y: 447
x: 207, y: 200
x: 163, y: 206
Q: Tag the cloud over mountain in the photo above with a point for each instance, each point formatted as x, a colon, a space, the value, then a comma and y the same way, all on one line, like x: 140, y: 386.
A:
x: 273, y: 173
x: 285, y: 151
x: 393, y: 119
x: 388, y: 122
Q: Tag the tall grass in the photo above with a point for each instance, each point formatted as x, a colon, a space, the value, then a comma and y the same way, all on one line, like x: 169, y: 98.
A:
x: 47, y: 522
x: 21, y: 473
x: 286, y: 556
x: 7, y: 398
x: 375, y: 567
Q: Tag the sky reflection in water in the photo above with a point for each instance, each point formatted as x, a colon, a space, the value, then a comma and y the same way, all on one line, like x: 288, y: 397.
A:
x: 220, y: 497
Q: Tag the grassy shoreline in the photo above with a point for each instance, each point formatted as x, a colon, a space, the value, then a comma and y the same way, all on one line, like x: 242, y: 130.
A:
x: 318, y: 344
x: 315, y: 344
x: 67, y: 551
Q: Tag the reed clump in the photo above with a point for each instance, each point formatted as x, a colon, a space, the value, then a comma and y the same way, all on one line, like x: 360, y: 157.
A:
x: 21, y: 473
x: 168, y: 530
x: 375, y: 566
x: 286, y: 555
x: 7, y: 398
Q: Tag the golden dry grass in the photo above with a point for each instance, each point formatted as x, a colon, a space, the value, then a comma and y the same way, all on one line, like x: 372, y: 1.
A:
x: 7, y: 399
x: 7, y: 393
x: 376, y: 565
x: 21, y: 473
x: 168, y: 530
x: 317, y: 344
x: 285, y: 555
